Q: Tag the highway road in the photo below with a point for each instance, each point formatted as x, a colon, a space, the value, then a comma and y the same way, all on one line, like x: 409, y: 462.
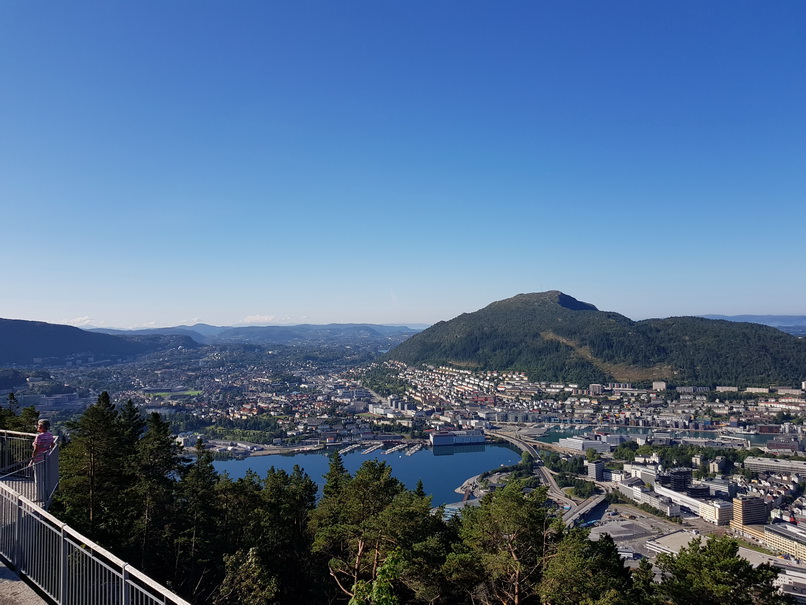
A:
x: 571, y: 516
x: 555, y: 492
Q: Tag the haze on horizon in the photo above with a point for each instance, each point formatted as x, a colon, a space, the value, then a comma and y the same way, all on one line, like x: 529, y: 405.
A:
x: 287, y: 163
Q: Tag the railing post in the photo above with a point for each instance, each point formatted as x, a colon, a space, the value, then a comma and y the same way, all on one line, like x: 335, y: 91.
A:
x: 18, y: 535
x: 63, y: 571
x: 124, y: 585
x: 53, y: 474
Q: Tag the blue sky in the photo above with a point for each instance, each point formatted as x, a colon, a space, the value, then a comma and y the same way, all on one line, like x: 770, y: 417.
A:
x: 398, y: 162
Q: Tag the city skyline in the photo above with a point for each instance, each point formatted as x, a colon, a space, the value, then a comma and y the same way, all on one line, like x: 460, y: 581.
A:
x: 398, y: 164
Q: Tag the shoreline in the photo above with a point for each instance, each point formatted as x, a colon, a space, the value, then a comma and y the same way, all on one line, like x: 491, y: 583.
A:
x: 271, y: 450
x: 468, y: 484
x: 266, y: 450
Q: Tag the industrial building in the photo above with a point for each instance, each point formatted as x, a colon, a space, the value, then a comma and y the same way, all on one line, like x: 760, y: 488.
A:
x: 456, y: 437
x: 582, y: 445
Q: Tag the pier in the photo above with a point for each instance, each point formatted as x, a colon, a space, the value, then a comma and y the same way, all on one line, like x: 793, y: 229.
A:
x: 414, y: 449
x: 349, y: 448
x: 397, y: 448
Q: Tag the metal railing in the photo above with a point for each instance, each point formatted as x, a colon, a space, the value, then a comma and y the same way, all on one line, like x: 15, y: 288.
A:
x: 66, y: 566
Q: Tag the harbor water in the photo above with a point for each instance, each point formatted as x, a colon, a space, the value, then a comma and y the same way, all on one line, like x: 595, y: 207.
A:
x: 442, y: 469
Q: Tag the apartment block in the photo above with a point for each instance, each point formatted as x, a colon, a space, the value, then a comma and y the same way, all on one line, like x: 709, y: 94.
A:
x: 749, y: 510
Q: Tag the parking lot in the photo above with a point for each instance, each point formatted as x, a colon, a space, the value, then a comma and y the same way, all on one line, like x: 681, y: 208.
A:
x: 631, y: 527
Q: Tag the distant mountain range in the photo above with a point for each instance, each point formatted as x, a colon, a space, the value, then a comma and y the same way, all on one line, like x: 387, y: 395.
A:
x: 792, y: 324
x: 28, y: 342
x: 277, y: 335
x: 552, y: 336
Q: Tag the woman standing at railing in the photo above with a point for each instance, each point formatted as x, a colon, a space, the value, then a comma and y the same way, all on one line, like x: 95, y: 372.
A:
x: 43, y: 442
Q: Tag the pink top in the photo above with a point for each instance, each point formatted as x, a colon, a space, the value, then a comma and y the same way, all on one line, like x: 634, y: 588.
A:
x: 42, y: 444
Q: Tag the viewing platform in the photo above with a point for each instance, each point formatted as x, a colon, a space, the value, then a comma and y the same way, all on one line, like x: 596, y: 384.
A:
x: 35, y: 480
x: 41, y: 551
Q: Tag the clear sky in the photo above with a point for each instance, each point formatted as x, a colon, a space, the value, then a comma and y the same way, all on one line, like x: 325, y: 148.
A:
x: 167, y: 162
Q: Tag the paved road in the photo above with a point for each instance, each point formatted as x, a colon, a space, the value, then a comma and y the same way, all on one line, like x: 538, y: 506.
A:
x: 571, y: 516
x: 555, y: 492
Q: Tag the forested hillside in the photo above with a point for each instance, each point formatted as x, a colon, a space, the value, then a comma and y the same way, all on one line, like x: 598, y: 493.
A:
x: 24, y: 341
x: 368, y: 539
x: 552, y: 336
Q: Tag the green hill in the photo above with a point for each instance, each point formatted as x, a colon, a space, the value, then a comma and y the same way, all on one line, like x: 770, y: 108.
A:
x: 552, y: 336
x: 22, y: 342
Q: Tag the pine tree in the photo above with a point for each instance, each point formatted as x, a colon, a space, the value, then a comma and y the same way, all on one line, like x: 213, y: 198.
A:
x: 132, y: 424
x: 349, y: 529
x: 336, y: 477
x: 248, y: 580
x: 158, y: 462
x: 95, y: 475
x: 583, y: 572
x: 273, y: 541
x: 197, y: 555
x: 714, y: 574
x: 241, y: 510
x: 420, y: 489
x: 503, y: 542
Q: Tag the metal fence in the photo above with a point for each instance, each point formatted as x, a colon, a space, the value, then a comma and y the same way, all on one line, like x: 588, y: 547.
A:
x: 63, y: 564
